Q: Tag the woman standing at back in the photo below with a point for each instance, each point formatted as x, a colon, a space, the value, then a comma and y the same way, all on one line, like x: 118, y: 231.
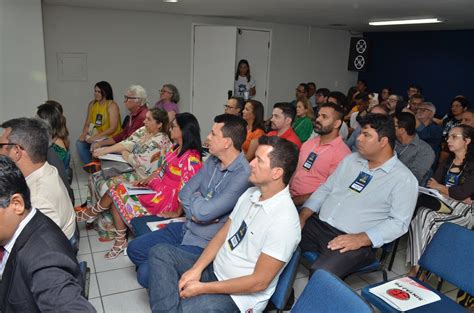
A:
x: 244, y: 85
x: 103, y: 120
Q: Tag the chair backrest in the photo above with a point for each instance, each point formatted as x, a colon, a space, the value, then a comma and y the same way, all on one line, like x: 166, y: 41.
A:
x: 450, y: 255
x: 285, y: 281
x: 327, y: 293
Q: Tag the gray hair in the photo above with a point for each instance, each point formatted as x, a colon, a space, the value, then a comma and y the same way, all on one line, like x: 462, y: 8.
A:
x: 140, y: 92
x: 174, y: 91
x: 431, y: 106
x: 31, y: 134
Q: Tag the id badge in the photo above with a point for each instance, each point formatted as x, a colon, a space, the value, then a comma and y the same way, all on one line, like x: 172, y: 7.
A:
x: 163, y: 169
x: 310, y: 161
x: 451, y: 180
x: 98, y: 120
x: 360, y: 182
x: 235, y: 240
x: 209, y: 194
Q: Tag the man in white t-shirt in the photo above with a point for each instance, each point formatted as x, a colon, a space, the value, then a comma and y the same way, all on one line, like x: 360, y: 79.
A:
x: 239, y: 269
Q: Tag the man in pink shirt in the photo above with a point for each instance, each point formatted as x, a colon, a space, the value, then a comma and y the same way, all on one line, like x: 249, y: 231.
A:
x: 320, y: 155
x: 283, y: 116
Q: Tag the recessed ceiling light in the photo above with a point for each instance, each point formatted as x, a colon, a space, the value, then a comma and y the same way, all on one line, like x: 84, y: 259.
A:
x: 406, y: 22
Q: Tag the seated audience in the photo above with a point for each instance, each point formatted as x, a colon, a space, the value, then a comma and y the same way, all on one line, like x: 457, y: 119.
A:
x: 180, y: 164
x: 321, y: 97
x: 303, y: 123
x: 416, y: 154
x: 38, y: 267
x: 458, y: 105
x: 50, y: 113
x: 312, y: 93
x: 426, y: 129
x: 169, y: 98
x: 392, y: 102
x: 359, y: 110
x: 301, y: 93
x: 239, y: 269
x: 207, y: 199
x: 235, y: 106
x: 253, y: 115
x: 362, y: 86
x: 351, y: 142
x: 339, y: 98
x: 283, y: 116
x: 320, y: 155
x: 414, y: 102
x: 135, y: 102
x: 368, y: 201
x: 26, y: 142
x: 384, y: 95
x: 103, y: 120
x: 468, y: 117
x: 413, y: 89
x: 455, y: 181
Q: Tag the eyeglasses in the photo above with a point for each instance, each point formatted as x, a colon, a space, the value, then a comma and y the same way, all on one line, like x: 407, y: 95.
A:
x: 228, y: 107
x: 11, y: 144
x: 126, y: 98
x: 454, y: 136
x: 424, y: 109
x: 164, y: 90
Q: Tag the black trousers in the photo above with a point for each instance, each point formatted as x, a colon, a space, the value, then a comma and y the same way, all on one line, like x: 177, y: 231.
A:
x: 315, y: 237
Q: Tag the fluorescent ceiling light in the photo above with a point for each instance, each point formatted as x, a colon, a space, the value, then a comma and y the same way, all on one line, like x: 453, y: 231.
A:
x: 407, y: 22
x: 170, y: 1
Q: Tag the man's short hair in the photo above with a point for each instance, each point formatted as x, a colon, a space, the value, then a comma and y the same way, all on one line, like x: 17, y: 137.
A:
x: 288, y: 109
x: 284, y: 155
x: 417, y: 96
x: 431, y: 106
x: 31, y: 134
x: 415, y: 86
x: 407, y: 121
x: 240, y: 102
x: 311, y: 84
x: 305, y: 87
x: 464, y: 102
x: 382, y: 107
x: 382, y: 124
x: 338, y: 109
x: 12, y: 181
x: 234, y: 128
x: 139, y: 92
x: 323, y: 92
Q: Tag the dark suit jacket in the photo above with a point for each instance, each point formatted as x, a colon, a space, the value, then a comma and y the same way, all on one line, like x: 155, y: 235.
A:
x: 41, y: 274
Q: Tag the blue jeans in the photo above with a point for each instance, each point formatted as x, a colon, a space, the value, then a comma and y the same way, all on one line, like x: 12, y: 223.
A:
x: 164, y: 293
x: 83, y: 149
x: 139, y: 248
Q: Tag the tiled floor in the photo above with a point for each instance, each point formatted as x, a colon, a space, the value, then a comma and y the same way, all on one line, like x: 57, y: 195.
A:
x: 114, y: 288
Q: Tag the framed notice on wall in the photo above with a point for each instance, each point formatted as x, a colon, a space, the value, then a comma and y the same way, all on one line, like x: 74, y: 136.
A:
x: 72, y: 66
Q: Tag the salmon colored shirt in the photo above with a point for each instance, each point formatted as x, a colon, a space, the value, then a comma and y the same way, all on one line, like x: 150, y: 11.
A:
x: 328, y: 157
x: 289, y: 135
x: 251, y: 135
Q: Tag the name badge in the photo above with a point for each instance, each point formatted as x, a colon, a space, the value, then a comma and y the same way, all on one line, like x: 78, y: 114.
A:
x: 235, y: 240
x: 163, y: 169
x: 451, y: 180
x: 309, y: 161
x: 210, y: 194
x: 360, y: 182
x: 98, y: 120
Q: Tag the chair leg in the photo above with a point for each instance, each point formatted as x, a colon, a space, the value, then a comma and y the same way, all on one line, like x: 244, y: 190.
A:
x: 384, y: 275
x: 440, y: 284
x: 392, y: 257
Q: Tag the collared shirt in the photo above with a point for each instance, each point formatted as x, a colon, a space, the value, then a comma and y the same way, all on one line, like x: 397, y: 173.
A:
x: 329, y: 155
x: 272, y: 227
x: 9, y: 246
x: 50, y: 196
x: 289, y: 135
x: 383, y: 209
x: 417, y: 156
x: 136, y: 121
x: 209, y: 197
x: 432, y: 134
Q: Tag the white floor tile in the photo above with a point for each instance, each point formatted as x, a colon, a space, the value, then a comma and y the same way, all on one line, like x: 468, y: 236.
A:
x: 399, y: 265
x: 133, y: 301
x: 82, y: 229
x: 96, y: 245
x: 121, y: 280
x: 377, y: 277
x: 93, y: 287
x: 84, y: 246
x: 88, y: 259
x: 299, y: 285
x: 97, y: 303
x: 102, y: 264
x: 355, y: 282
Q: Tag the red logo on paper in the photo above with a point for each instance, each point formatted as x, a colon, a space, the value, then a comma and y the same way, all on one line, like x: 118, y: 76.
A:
x: 398, y: 294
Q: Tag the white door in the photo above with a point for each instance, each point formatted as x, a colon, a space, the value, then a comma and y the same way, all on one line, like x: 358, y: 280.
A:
x: 254, y: 46
x: 213, y: 72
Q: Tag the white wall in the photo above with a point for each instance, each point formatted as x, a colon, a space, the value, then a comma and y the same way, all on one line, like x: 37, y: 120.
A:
x: 150, y: 49
x: 22, y: 59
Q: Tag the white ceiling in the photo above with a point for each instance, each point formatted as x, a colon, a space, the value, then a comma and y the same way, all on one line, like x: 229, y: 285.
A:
x: 352, y: 14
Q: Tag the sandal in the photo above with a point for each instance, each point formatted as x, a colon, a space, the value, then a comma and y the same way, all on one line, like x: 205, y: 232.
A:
x: 119, y: 246
x: 89, y: 214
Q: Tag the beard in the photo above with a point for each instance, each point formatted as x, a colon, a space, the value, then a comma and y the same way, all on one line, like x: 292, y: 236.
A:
x: 321, y: 130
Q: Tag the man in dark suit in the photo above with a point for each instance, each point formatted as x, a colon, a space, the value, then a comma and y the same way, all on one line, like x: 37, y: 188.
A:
x: 38, y: 267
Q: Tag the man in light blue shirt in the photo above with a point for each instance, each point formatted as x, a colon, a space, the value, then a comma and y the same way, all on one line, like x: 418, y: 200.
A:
x: 207, y: 198
x: 368, y: 201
